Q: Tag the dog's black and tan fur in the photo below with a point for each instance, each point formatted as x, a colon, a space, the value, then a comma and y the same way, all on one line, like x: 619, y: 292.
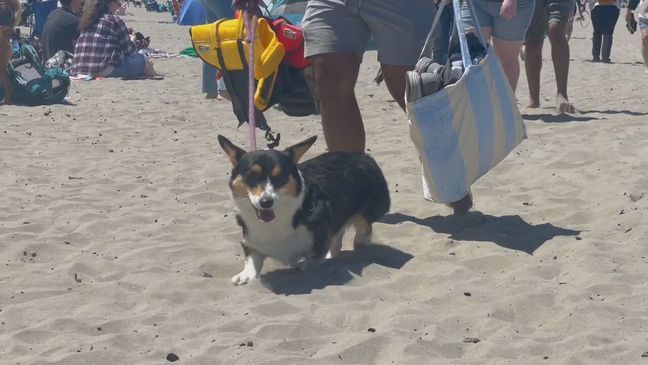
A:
x: 9, y: 15
x: 297, y: 213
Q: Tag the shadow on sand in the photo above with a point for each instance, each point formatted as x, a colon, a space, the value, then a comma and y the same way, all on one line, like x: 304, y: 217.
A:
x: 557, y: 118
x: 508, y: 231
x: 337, y: 271
x: 614, y: 112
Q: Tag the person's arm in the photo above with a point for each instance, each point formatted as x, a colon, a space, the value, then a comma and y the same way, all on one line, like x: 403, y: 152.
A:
x: 632, y: 5
x: 508, y: 9
x: 123, y: 37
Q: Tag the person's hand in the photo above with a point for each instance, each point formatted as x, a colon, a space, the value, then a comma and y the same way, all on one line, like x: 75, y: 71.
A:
x: 631, y: 24
x: 508, y: 9
x: 629, y: 16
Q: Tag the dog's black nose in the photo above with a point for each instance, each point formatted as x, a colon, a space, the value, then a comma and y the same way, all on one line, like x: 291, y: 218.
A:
x: 266, y: 203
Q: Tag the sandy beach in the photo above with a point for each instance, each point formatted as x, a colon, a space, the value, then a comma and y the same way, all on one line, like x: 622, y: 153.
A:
x: 118, y: 237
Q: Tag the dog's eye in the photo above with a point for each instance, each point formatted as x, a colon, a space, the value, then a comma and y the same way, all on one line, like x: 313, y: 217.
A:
x: 250, y: 177
x: 279, y: 180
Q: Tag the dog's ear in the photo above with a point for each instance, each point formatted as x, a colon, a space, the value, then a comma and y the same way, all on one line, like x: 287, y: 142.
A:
x: 297, y: 151
x: 233, y: 152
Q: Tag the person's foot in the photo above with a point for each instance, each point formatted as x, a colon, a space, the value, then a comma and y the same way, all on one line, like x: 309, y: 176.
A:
x: 607, y: 60
x: 563, y: 104
x: 463, y: 205
x: 220, y: 96
x: 224, y: 94
x: 596, y: 59
x: 533, y: 105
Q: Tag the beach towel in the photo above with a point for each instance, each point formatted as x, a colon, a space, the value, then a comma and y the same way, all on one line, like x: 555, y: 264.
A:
x: 465, y: 129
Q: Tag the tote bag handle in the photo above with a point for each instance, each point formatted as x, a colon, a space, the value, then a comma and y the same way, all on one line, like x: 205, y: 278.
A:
x: 461, y: 30
x: 461, y: 26
x: 427, y: 47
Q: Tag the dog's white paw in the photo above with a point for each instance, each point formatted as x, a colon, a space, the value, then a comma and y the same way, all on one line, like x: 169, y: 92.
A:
x: 244, y: 277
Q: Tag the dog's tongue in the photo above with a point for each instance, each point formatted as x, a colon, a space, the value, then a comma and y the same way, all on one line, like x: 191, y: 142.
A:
x: 265, y: 215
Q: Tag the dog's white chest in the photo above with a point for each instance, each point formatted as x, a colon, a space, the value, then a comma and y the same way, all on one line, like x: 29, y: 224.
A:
x: 281, y: 242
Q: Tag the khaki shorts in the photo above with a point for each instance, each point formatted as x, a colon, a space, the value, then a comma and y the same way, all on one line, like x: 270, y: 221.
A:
x: 546, y: 12
x: 399, y: 28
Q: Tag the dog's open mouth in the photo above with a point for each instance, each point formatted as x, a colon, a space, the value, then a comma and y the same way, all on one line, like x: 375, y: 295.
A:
x: 265, y: 215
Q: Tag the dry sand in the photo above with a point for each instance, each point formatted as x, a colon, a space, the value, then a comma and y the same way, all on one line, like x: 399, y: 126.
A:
x: 118, y: 238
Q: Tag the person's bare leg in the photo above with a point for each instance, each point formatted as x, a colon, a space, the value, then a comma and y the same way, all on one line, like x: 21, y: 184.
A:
x: 560, y: 58
x: 570, y: 27
x: 644, y: 47
x: 487, y: 32
x: 336, y: 75
x: 533, y: 65
x: 395, y: 80
x: 507, y: 52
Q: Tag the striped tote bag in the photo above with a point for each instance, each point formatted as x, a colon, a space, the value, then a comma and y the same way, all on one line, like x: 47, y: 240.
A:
x: 465, y: 129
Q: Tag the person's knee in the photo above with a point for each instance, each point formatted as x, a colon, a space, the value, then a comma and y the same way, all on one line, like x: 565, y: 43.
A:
x: 533, y: 47
x: 557, y: 33
x: 334, y: 79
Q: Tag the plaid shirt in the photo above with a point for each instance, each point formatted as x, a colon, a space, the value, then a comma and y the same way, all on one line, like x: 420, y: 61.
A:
x: 103, y: 44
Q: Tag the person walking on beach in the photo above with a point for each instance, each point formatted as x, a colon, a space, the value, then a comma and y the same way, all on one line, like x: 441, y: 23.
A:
x: 605, y: 14
x: 504, y: 23
x: 550, y: 18
x: 643, y: 25
x: 337, y: 33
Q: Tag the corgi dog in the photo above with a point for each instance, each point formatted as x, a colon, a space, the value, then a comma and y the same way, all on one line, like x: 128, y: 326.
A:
x: 9, y: 15
x: 297, y: 213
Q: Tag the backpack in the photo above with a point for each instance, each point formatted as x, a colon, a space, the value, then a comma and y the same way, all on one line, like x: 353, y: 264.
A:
x: 33, y: 83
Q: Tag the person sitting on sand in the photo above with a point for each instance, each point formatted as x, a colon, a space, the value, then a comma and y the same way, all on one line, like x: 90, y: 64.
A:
x: 61, y: 29
x: 105, y: 47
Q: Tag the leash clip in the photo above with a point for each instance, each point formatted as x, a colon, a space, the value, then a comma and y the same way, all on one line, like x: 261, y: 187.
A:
x: 270, y: 137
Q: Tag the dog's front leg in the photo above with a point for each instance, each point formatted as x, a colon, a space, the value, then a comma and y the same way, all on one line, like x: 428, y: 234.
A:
x: 251, y: 269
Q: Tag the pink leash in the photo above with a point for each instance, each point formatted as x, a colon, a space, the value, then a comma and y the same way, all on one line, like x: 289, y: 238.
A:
x: 250, y: 18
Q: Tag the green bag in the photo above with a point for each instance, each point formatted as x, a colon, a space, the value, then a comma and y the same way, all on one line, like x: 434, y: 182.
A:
x: 33, y: 83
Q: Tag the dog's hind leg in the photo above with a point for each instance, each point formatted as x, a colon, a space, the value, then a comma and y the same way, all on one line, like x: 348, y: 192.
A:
x: 336, y: 245
x: 363, y: 232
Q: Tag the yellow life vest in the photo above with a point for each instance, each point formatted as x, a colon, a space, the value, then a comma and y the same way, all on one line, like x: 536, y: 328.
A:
x: 222, y: 45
